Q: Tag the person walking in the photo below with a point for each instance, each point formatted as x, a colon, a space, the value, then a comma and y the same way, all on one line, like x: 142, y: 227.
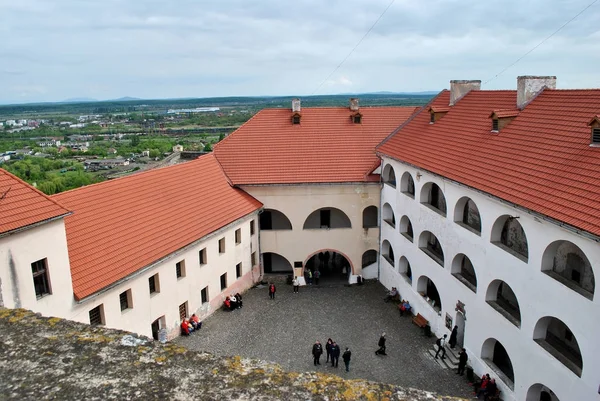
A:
x: 381, y: 344
x: 317, y: 351
x: 335, y: 355
x: 272, y: 291
x: 346, y: 357
x: 296, y: 284
x: 317, y: 276
x: 441, y: 343
x: 453, y: 337
x: 310, y: 276
x: 462, y: 362
x: 328, y: 346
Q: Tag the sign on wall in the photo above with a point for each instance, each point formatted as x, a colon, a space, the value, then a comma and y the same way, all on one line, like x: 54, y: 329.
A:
x: 448, y: 322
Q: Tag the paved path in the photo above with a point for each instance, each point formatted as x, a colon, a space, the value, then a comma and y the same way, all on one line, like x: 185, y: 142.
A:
x: 283, y: 331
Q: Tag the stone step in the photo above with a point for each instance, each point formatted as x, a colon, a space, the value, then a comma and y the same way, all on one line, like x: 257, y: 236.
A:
x: 445, y: 363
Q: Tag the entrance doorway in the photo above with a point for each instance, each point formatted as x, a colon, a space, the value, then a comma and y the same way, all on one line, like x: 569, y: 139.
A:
x: 157, y: 325
x: 332, y: 266
x: 460, y: 322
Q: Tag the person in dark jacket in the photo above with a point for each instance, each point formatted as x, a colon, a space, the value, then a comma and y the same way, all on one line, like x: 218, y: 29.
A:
x: 490, y: 390
x: 462, y: 362
x: 453, y: 337
x: 317, y: 351
x: 381, y: 344
x: 346, y: 357
x: 335, y: 355
x: 328, y: 348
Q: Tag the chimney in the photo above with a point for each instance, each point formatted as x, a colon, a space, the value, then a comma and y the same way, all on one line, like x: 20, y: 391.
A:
x: 529, y: 86
x: 460, y: 88
x: 296, y: 105
x: 354, y: 104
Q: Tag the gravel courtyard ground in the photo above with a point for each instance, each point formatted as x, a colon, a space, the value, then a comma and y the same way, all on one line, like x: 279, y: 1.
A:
x: 283, y: 331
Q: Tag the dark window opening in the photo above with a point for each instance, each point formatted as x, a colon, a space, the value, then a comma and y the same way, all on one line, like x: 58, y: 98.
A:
x: 96, y: 316
x: 238, y: 270
x: 204, y: 294
x: 266, y: 220
x: 183, y: 312
x: 431, y: 118
x: 41, y: 281
x: 179, y: 270
x: 596, y: 135
x: 296, y: 119
x: 369, y: 257
x: 202, y: 256
x: 298, y: 264
x: 153, y: 284
x: 252, y: 228
x: 223, y: 281
x: 495, y: 124
x: 238, y: 236
x: 325, y: 218
x: 222, y: 245
x: 124, y: 300
x: 356, y: 119
x: 253, y: 259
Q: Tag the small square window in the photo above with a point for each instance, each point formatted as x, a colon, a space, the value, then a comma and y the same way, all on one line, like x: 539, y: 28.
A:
x: 223, y: 281
x: 41, y: 280
x: 125, y: 300
x: 238, y: 236
x: 183, y: 310
x: 495, y: 124
x: 202, y: 256
x: 154, y: 284
x: 298, y: 264
x: 356, y: 119
x: 596, y: 135
x: 180, y: 269
x: 222, y: 245
x: 238, y: 270
x: 97, y: 315
x: 204, y: 294
x: 253, y: 259
x: 296, y: 119
x: 252, y: 227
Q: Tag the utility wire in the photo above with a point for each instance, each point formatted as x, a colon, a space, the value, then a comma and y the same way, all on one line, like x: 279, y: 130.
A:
x: 542, y: 42
x: 355, y: 47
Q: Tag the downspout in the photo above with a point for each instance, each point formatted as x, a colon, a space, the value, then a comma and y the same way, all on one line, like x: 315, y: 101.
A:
x: 260, y: 258
x: 379, y: 221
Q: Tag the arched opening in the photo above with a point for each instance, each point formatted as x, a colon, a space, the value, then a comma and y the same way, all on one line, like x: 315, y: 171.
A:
x: 429, y: 244
x: 404, y: 269
x: 406, y: 228
x: 429, y: 291
x: 369, y: 258
x: 539, y: 392
x: 271, y: 219
x: 407, y: 185
x: 370, y: 217
x: 565, y: 262
x: 508, y: 234
x: 275, y: 263
x: 494, y: 354
x: 433, y: 197
x: 556, y: 338
x: 389, y: 176
x: 466, y: 214
x: 333, y: 266
x: 387, y: 214
x: 387, y: 252
x: 502, y: 298
x: 327, y: 218
x: 463, y: 270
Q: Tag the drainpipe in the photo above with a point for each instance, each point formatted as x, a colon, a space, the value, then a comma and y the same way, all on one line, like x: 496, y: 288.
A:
x: 379, y: 222
x: 260, y: 258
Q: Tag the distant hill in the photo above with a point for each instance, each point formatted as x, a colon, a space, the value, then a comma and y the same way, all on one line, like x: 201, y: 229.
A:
x: 79, y: 100
x: 124, y: 99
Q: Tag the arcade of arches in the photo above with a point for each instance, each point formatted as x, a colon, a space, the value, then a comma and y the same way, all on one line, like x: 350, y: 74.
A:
x: 332, y: 265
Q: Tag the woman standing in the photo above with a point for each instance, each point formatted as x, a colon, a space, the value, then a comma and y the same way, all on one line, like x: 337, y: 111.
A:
x: 328, y: 348
x: 453, y: 337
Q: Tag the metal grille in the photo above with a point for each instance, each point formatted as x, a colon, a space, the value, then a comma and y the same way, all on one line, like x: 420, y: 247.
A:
x: 152, y: 284
x: 124, y: 300
x: 178, y: 270
x: 183, y: 311
x: 40, y: 278
x: 596, y: 135
x: 96, y: 316
x: 495, y: 124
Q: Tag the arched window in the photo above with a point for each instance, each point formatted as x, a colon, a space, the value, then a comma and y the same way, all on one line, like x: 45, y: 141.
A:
x: 369, y: 258
x: 466, y: 214
x: 387, y: 252
x: 494, y: 354
x: 271, y: 219
x: 539, y: 392
x: 433, y: 197
x: 404, y: 269
x: 556, y: 338
x: 370, y: 217
x: 407, y: 185
x: 463, y: 270
x: 388, y: 215
x: 429, y: 291
x: 389, y: 176
x: 275, y: 263
x: 406, y: 228
x: 327, y: 217
x: 502, y: 298
x: 565, y: 262
x: 429, y: 244
x: 508, y: 234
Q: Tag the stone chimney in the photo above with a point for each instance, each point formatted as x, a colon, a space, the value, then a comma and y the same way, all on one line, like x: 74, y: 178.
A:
x: 354, y: 104
x: 460, y: 88
x: 296, y: 106
x: 529, y: 86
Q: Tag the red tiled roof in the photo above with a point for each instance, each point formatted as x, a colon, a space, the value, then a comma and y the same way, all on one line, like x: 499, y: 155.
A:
x: 22, y: 205
x: 505, y: 113
x: 325, y: 147
x: 542, y: 161
x: 123, y: 225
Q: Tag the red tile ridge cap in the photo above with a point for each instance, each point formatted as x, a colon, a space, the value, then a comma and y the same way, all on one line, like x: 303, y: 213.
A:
x: 502, y: 113
x: 439, y: 109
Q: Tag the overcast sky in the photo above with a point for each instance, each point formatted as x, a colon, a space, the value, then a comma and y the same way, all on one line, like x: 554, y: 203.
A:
x: 51, y: 50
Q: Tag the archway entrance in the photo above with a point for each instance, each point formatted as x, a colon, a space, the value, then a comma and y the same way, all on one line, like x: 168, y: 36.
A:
x: 460, y: 322
x: 333, y: 267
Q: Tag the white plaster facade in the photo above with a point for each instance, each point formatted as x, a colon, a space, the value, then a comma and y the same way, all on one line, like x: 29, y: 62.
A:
x: 538, y: 294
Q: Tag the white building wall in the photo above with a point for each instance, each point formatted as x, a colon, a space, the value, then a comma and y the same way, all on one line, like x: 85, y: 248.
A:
x: 538, y: 294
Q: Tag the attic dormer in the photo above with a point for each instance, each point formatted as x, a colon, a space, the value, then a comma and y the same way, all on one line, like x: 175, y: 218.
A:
x: 296, y: 107
x: 501, y: 118
x: 356, y: 118
x: 594, y: 124
x: 436, y: 113
x: 296, y: 118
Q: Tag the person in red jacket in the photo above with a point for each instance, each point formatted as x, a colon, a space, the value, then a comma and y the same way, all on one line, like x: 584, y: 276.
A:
x: 272, y: 291
x: 186, y: 327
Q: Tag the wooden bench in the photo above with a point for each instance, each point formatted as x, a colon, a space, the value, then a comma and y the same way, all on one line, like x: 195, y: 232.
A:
x: 420, y: 321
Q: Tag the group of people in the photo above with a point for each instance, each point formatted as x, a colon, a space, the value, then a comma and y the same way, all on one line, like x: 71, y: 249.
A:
x: 309, y: 276
x: 188, y: 326
x: 487, y: 387
x: 333, y: 354
x: 441, y: 343
x: 233, y: 301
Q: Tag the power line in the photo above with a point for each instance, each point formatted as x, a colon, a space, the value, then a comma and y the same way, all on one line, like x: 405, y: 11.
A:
x: 542, y: 42
x: 354, y: 48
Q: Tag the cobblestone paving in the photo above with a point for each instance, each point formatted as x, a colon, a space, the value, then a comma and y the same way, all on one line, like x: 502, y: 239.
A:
x: 283, y: 331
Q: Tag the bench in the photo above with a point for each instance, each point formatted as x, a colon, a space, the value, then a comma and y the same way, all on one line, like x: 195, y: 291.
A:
x: 420, y: 321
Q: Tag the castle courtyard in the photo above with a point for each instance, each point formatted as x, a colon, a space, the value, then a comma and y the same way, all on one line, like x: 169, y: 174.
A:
x: 284, y: 330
